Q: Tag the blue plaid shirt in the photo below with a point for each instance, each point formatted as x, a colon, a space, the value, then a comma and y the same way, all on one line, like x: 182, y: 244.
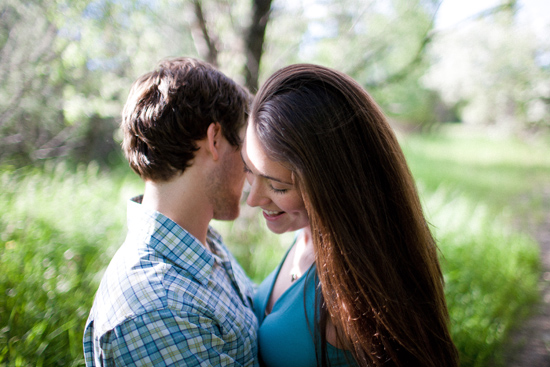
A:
x: 167, y: 301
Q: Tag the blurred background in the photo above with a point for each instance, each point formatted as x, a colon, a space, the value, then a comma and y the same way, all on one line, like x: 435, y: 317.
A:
x: 464, y: 83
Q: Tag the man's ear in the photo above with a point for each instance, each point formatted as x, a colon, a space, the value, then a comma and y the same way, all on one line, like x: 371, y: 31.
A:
x: 213, y: 137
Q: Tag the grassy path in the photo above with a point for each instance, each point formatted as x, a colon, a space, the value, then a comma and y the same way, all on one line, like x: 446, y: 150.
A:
x: 510, y: 176
x: 530, y: 345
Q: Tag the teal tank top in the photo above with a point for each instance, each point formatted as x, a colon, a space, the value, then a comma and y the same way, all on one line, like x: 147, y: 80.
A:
x: 285, y: 336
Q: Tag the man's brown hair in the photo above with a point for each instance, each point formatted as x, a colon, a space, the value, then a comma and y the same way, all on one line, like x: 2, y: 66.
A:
x: 168, y: 110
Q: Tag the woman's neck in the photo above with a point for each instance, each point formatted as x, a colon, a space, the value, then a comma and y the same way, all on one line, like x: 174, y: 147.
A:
x: 304, y: 254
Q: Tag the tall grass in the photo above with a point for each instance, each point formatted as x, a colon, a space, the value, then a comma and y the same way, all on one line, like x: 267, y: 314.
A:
x: 491, y: 274
x: 60, y: 227
x: 58, y: 231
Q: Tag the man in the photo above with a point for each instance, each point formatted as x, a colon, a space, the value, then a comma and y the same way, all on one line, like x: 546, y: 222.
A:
x: 173, y: 295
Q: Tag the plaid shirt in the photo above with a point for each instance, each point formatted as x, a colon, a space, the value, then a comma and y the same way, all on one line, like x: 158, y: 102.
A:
x: 167, y: 301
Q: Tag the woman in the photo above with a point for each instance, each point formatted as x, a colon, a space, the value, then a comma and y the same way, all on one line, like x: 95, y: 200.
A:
x: 361, y: 284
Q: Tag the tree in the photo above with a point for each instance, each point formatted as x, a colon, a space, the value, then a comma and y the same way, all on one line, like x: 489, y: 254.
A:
x: 86, y: 53
x: 255, y: 42
x: 207, y: 39
x: 493, y: 71
x: 51, y: 80
x: 381, y: 44
x: 29, y: 55
x: 67, y: 65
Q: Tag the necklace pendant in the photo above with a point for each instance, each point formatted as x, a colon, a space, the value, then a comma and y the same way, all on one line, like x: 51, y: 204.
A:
x: 293, y: 277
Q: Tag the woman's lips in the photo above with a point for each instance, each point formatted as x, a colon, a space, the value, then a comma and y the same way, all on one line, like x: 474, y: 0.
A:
x: 272, y: 215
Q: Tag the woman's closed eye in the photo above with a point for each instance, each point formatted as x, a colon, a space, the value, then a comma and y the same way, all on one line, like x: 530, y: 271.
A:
x: 276, y: 190
x: 271, y: 183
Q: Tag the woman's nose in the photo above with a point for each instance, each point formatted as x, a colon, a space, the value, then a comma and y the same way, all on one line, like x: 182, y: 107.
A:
x: 256, y: 196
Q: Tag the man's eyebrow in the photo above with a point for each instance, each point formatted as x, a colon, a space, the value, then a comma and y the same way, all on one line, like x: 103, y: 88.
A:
x: 266, y: 176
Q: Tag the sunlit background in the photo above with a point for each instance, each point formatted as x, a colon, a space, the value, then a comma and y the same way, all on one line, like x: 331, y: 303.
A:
x: 465, y: 84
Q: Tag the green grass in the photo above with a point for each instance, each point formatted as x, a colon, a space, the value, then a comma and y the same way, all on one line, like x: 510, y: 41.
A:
x: 60, y: 227
x: 491, y: 274
x: 502, y: 173
x: 481, y: 194
x: 59, y: 230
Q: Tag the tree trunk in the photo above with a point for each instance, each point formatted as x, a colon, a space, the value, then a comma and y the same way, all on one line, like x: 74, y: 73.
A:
x: 255, y: 42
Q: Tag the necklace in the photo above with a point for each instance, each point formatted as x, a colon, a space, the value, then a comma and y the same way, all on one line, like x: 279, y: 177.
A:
x: 302, y: 254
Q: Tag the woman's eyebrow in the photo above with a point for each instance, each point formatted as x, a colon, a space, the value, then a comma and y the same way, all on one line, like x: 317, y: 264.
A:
x: 266, y: 176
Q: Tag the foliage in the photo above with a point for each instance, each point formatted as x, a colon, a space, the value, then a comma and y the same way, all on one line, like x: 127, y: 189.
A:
x: 496, y: 70
x: 66, y: 69
x: 381, y: 44
x: 30, y: 80
x: 476, y: 197
x: 491, y: 275
x: 59, y: 230
x: 67, y: 65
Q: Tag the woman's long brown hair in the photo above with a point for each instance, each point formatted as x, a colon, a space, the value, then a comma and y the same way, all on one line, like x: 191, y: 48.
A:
x: 376, y: 258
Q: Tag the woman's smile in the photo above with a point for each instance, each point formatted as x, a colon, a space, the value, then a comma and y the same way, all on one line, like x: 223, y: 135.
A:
x: 272, y: 188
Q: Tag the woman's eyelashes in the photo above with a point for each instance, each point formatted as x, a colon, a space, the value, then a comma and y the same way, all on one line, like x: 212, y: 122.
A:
x: 277, y: 191
x: 270, y: 185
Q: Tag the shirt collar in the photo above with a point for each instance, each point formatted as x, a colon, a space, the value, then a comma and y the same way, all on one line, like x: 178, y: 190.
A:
x: 172, y: 241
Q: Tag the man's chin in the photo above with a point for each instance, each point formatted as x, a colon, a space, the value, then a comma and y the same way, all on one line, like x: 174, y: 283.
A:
x: 227, y: 215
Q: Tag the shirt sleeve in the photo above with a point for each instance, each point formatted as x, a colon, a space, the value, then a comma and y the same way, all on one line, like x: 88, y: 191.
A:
x: 165, y: 338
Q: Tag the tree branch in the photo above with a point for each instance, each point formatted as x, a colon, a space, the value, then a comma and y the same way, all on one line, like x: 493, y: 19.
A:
x: 208, y: 49
x: 404, y: 71
x: 427, y: 39
x: 56, y: 146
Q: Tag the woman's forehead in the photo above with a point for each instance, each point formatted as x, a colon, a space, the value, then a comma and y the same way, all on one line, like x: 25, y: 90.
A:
x: 256, y: 159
